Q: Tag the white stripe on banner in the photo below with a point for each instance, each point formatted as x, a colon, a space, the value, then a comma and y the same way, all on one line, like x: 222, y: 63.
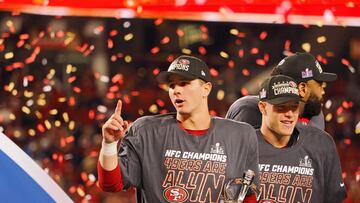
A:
x: 21, y: 177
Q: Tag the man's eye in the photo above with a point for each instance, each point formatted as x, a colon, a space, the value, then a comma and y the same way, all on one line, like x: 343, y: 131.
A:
x: 183, y: 83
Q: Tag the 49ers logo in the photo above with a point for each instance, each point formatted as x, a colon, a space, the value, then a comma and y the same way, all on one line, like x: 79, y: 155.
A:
x: 175, y: 194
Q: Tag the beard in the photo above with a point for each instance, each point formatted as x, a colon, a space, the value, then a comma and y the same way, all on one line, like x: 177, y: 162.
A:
x: 312, y: 107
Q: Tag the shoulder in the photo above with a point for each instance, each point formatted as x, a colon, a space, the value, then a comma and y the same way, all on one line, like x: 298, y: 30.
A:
x: 233, y: 125
x: 153, y: 121
x: 314, y: 134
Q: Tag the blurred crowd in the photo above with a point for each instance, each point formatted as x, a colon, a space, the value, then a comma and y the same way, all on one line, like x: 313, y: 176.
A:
x: 61, y: 78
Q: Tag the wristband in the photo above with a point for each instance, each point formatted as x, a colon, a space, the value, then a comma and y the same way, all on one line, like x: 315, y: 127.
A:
x: 109, y: 149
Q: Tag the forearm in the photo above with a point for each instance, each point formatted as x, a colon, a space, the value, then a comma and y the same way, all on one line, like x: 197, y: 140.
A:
x: 108, y: 158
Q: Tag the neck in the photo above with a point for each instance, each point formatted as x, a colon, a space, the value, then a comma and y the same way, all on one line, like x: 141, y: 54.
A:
x: 275, y: 139
x: 194, y: 122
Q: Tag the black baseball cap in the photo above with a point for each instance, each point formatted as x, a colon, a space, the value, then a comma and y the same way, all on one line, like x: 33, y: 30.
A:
x: 189, y: 67
x: 279, y: 89
x: 303, y: 67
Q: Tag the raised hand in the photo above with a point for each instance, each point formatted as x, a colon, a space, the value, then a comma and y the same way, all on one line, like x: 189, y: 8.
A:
x: 115, y: 127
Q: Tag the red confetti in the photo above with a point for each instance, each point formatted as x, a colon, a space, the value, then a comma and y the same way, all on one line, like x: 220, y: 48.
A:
x: 213, y: 112
x: 71, y: 79
x: 347, y: 141
x: 40, y: 127
x: 70, y: 139
x: 345, y: 62
x: 113, y: 33
x: 170, y: 58
x: 20, y: 43
x: 263, y: 35
x: 71, y: 101
x: 118, y: 78
x: 155, y: 50
x: 165, y: 40
x: 241, y: 53
x: 127, y: 99
x: 76, y: 89
x: 91, y: 114
x: 60, y: 34
x: 254, y: 51
x: 203, y: 28
x: 202, y: 50
x: 158, y: 21
x: 214, y: 72
x: 231, y: 64
x: 160, y: 102
x: 260, y: 62
x: 84, y: 176
x: 339, y: 111
x: 114, y: 88
x: 244, y: 91
x: 113, y: 58
x: 266, y: 57
x: 156, y: 71
x: 180, y: 32
x: 245, y: 72
x: 110, y: 43
x: 241, y: 34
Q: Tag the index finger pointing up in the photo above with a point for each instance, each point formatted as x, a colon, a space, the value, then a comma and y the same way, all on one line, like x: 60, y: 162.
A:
x: 118, y: 108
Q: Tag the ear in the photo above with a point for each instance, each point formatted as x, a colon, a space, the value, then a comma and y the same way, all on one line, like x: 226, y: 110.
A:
x: 262, y: 106
x: 303, y: 90
x: 207, y: 89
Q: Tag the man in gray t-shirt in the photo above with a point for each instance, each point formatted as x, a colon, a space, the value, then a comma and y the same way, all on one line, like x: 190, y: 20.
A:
x: 311, y: 79
x: 185, y: 156
x: 297, y: 163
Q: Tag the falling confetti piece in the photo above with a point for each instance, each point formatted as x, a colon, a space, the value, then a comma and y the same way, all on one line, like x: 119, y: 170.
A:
x: 263, y: 35
x: 306, y: 47
x: 321, y: 39
x: 220, y: 95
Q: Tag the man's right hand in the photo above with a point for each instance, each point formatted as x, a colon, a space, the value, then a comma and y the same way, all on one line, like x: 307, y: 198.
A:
x: 115, y: 127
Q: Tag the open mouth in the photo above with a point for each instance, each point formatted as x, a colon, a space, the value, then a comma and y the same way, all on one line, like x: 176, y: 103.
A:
x: 286, y: 122
x: 179, y: 101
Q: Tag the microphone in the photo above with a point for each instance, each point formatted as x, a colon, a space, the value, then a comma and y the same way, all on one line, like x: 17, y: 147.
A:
x: 247, y: 180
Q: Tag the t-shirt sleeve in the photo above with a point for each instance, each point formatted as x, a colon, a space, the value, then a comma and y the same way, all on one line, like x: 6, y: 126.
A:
x: 129, y: 159
x: 335, y: 190
x: 252, y: 161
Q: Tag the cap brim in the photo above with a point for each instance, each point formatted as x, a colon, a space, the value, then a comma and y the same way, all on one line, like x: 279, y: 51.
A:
x: 163, y: 77
x: 282, y: 100
x: 326, y: 77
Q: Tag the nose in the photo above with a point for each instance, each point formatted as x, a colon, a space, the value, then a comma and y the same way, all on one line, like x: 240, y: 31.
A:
x: 289, y: 113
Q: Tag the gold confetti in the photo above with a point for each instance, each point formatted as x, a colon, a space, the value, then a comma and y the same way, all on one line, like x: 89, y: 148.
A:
x: 234, y: 31
x: 25, y: 109
x: 17, y: 133
x: 224, y: 54
x: 47, y: 124
x: 12, y: 117
x: 127, y: 58
x: 31, y: 132
x: 220, y: 95
x: 153, y: 108
x: 57, y: 123
x: 321, y: 39
x: 65, y: 117
x: 328, y: 117
x: 14, y: 92
x: 62, y: 99
x: 306, y: 47
x: 11, y: 86
x: 41, y: 102
x: 28, y: 94
x: 9, y: 55
x: 186, y: 51
x: 71, y: 125
x: 38, y: 114
x: 128, y: 37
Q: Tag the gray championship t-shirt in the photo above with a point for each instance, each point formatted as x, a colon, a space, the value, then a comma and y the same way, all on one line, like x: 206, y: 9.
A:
x: 167, y: 164
x: 245, y: 109
x: 309, y: 171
